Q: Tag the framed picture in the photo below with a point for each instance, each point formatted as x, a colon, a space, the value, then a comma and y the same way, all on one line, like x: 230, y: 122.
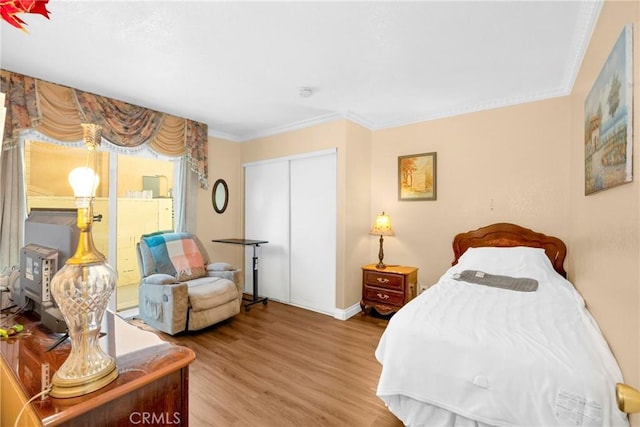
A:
x: 417, y: 177
x: 608, y: 137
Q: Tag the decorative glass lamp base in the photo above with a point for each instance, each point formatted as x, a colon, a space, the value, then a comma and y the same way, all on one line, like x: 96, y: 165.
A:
x: 64, y: 389
x: 82, y: 288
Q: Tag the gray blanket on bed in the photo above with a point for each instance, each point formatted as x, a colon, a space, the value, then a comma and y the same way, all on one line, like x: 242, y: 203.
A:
x: 521, y: 284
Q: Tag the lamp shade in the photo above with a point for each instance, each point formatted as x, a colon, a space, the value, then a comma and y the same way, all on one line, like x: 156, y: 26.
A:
x: 382, y: 226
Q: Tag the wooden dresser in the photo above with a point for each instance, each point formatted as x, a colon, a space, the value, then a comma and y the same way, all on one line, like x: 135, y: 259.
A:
x: 152, y: 383
x: 387, y: 290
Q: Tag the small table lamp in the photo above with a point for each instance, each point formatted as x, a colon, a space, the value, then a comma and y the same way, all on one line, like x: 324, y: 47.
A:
x: 381, y: 227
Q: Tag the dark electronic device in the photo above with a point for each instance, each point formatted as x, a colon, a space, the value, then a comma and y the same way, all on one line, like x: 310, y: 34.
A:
x: 51, y: 237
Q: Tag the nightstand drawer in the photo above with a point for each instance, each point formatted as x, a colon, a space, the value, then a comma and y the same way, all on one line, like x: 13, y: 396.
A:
x: 389, y: 281
x: 383, y: 295
x: 387, y: 290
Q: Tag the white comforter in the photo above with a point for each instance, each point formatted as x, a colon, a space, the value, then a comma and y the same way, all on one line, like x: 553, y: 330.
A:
x: 496, y: 356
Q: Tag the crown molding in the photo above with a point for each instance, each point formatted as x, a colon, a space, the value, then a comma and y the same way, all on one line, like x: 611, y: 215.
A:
x: 223, y: 135
x: 301, y: 124
x: 589, y: 14
x: 374, y: 126
x: 359, y: 120
x: 472, y: 108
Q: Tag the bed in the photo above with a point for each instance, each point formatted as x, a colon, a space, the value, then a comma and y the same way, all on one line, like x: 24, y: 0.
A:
x: 502, y: 339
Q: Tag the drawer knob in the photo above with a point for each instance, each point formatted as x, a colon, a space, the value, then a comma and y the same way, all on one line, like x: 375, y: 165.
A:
x: 382, y: 296
x: 382, y: 280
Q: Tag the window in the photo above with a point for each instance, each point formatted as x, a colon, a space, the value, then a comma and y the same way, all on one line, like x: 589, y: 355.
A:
x: 143, y: 202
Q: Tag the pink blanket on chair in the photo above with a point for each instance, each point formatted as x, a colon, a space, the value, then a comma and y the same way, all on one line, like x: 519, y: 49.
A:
x: 176, y: 254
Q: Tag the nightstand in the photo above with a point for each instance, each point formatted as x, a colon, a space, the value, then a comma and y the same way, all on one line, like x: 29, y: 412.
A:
x: 387, y: 290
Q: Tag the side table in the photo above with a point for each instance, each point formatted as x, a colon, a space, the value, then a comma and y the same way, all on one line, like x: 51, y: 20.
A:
x: 255, y: 299
x: 387, y: 290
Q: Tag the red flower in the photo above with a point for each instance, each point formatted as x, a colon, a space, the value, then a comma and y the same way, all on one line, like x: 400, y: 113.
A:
x: 9, y: 9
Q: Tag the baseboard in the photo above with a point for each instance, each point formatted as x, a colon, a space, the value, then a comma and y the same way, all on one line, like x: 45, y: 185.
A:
x: 347, y: 313
x: 338, y: 313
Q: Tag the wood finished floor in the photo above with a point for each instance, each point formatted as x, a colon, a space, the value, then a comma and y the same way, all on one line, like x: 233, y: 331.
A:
x: 279, y: 365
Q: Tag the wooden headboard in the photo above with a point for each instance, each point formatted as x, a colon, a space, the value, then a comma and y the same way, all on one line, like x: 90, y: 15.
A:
x: 510, y: 235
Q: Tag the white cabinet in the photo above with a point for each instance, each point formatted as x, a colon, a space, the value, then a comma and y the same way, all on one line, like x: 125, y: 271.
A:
x: 291, y: 202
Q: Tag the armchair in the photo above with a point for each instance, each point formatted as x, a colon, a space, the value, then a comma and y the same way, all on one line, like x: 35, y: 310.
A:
x: 180, y: 288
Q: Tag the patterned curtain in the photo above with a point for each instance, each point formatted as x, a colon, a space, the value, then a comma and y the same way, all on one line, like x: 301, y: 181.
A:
x: 21, y: 105
x: 197, y: 153
x: 123, y: 124
x: 56, y: 111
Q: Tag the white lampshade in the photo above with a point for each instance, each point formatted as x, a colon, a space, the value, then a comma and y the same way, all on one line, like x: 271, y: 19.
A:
x: 84, y: 181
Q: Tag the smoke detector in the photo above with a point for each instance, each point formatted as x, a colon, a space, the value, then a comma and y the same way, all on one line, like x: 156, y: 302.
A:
x: 305, y: 92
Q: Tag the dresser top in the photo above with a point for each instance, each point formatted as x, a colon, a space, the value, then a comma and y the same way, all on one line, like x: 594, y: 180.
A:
x: 141, y: 357
x: 393, y: 269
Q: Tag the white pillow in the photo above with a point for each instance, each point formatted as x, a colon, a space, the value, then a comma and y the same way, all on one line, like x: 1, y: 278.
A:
x: 160, y: 279
x: 518, y: 261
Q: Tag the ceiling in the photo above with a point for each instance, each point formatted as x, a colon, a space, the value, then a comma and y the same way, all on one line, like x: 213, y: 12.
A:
x: 239, y: 66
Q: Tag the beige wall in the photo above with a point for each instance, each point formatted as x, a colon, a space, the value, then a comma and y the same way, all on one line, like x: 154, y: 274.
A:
x: 224, y: 163
x: 315, y: 138
x: 502, y: 165
x: 604, y: 231
x: 355, y: 201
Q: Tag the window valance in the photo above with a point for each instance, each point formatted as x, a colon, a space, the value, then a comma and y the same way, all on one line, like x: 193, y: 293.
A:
x: 57, y: 111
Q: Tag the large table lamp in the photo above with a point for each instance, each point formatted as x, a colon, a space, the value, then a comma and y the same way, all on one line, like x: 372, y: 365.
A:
x: 381, y: 227
x: 82, y: 289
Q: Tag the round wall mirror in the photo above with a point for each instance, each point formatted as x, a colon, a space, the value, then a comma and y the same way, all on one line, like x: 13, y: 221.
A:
x: 220, y: 196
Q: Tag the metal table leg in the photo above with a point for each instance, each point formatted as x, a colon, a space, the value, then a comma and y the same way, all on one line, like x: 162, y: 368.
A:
x: 255, y: 299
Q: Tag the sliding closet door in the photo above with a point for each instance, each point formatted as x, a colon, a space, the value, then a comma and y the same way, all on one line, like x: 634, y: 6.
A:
x: 267, y: 218
x: 291, y: 202
x: 313, y: 232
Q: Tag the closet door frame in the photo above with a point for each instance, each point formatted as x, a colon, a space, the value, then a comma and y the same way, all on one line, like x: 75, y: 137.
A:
x: 270, y: 253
